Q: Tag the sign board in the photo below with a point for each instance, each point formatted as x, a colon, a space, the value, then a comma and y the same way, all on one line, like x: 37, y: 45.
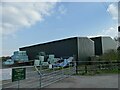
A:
x: 18, y: 74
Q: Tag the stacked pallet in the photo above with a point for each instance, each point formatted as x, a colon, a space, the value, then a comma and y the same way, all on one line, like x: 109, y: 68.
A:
x: 20, y: 56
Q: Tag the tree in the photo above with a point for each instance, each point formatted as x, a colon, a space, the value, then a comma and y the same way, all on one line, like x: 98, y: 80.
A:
x: 5, y: 58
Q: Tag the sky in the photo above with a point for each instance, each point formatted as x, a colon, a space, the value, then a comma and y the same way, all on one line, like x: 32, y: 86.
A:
x: 29, y: 23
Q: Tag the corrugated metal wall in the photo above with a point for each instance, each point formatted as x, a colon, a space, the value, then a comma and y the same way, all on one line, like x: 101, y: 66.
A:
x: 108, y: 43
x: 103, y: 44
x: 65, y: 47
x: 85, y: 48
x: 82, y: 47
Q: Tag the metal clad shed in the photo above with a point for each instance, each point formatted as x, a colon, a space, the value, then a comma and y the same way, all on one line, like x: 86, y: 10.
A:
x: 65, y: 47
x: 97, y: 45
x: 85, y: 48
x: 82, y: 47
x: 108, y: 43
x: 103, y: 44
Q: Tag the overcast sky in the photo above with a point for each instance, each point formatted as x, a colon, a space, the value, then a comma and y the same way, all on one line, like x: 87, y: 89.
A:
x: 24, y: 23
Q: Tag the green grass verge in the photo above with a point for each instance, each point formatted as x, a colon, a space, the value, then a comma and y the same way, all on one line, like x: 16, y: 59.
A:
x: 91, y: 73
x: 114, y: 71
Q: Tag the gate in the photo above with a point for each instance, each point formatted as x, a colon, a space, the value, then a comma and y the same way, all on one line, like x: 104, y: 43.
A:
x: 39, y: 77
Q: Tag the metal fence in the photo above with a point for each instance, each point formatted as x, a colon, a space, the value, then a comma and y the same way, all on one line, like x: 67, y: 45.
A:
x: 37, y: 77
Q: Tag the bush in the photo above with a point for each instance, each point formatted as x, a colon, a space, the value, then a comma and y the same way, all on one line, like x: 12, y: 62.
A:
x: 118, y: 53
x: 4, y: 58
x: 110, y: 55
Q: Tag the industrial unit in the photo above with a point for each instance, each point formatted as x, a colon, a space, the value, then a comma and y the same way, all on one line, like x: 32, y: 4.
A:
x: 81, y: 47
x: 103, y: 44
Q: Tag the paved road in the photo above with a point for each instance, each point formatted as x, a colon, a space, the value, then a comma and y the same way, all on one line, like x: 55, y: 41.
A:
x: 101, y: 81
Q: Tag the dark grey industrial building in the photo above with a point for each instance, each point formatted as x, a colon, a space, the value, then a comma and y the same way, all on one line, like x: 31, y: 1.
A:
x: 82, y: 47
x: 103, y: 44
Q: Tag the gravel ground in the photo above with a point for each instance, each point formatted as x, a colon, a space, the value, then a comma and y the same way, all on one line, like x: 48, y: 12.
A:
x: 99, y: 81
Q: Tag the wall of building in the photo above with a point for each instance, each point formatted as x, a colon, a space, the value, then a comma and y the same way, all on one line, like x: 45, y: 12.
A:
x: 97, y: 45
x: 85, y: 48
x: 103, y: 44
x: 65, y: 47
x: 108, y: 43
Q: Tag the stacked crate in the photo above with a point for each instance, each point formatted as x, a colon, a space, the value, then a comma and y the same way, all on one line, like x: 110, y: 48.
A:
x: 51, y: 59
x: 20, y: 56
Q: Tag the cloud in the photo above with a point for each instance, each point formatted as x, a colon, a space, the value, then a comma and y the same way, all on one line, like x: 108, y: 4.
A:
x: 62, y: 9
x: 113, y: 10
x: 31, y: 1
x: 112, y: 32
x: 16, y: 16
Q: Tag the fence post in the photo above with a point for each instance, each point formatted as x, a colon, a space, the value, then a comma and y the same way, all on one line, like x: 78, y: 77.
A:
x: 39, y: 73
x: 18, y: 84
x: 40, y: 80
x: 86, y: 69
x: 76, y: 69
x: 69, y: 69
x: 62, y: 72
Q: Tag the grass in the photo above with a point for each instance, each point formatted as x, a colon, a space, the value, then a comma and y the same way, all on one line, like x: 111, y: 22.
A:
x: 91, y: 73
x: 113, y: 71
x: 90, y: 69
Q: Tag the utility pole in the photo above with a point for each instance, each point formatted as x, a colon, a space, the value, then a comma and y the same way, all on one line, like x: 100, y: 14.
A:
x: 118, y: 36
x: 119, y: 26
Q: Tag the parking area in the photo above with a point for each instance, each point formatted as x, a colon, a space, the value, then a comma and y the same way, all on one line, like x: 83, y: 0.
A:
x: 98, y: 81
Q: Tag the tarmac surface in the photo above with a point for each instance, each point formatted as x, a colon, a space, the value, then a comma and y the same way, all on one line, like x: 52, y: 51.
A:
x: 99, y: 81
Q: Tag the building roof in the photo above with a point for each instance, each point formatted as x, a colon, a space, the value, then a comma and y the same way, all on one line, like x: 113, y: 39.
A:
x: 100, y: 37
x: 54, y: 41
